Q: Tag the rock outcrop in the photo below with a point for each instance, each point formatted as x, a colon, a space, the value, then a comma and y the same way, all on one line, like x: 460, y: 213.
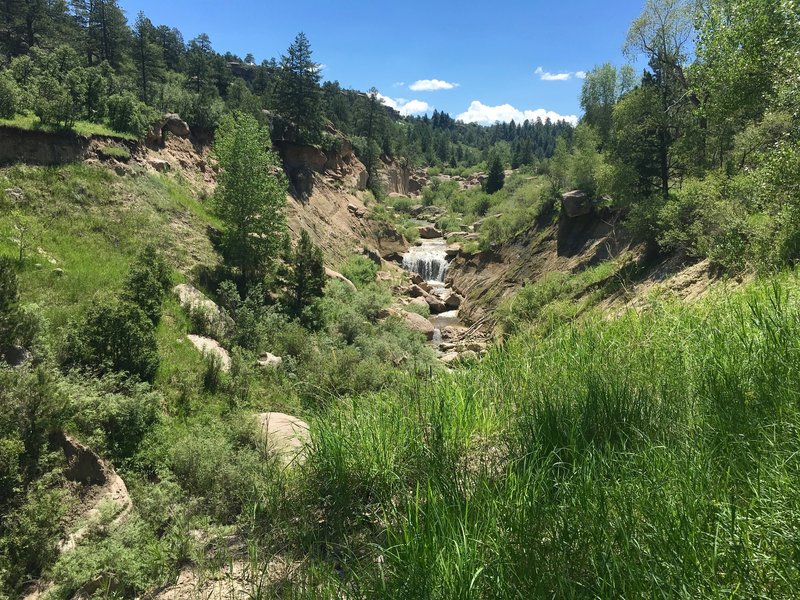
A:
x: 331, y: 274
x: 576, y: 204
x: 204, y: 310
x: 212, y: 348
x: 284, y: 436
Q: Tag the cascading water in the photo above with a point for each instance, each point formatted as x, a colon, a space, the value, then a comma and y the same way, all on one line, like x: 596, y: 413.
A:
x: 428, y: 260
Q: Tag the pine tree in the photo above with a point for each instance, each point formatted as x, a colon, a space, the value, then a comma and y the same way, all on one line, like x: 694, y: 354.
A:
x: 305, y: 281
x: 148, y: 56
x: 496, y: 177
x: 298, y: 92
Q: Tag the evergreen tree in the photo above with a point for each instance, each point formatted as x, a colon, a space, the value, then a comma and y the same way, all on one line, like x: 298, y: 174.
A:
x: 9, y: 304
x: 250, y: 196
x: 148, y: 56
x: 298, y: 94
x: 199, y: 58
x: 305, y: 281
x: 496, y: 177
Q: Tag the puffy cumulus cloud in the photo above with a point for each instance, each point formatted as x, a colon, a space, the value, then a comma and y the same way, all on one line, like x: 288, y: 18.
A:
x: 547, y: 76
x: 405, y: 107
x: 431, y: 85
x: 488, y: 115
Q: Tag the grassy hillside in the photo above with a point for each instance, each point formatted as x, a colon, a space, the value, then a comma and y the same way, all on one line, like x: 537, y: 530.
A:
x: 654, y: 454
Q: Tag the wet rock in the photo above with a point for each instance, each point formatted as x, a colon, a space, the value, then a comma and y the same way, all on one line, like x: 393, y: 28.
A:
x: 436, y: 305
x: 453, y: 250
x: 429, y: 232
x: 453, y: 300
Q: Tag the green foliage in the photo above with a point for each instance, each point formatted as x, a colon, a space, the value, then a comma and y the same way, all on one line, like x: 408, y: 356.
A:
x: 304, y: 281
x: 127, y: 114
x: 250, y: 196
x: 148, y: 282
x: 115, y: 335
x: 360, y: 270
x: 10, y: 316
x: 495, y: 178
x: 9, y: 97
x: 297, y: 94
x: 113, y: 415
x: 30, y: 535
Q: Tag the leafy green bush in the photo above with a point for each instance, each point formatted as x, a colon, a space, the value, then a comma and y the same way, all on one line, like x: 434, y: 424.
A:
x: 115, y: 336
x: 149, y: 279
x: 127, y: 114
x: 360, y: 270
x: 113, y: 415
x: 9, y: 96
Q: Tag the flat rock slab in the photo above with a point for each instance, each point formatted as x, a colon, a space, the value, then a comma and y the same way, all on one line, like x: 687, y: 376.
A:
x: 212, y: 348
x: 285, y: 436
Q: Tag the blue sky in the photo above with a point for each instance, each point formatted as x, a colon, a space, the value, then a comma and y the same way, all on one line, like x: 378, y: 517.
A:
x: 503, y: 57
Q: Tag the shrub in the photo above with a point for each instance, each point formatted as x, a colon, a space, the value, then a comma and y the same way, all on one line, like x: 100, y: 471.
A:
x: 127, y: 114
x: 9, y: 97
x: 360, y: 270
x: 10, y: 315
x: 114, y: 415
x: 148, y: 282
x: 115, y: 336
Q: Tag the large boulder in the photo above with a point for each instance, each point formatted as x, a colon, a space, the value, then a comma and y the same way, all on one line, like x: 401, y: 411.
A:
x: 212, y: 348
x: 417, y: 323
x: 453, y: 300
x: 576, y: 204
x: 176, y: 126
x: 436, y: 305
x: 331, y: 274
x: 203, y: 310
x: 284, y: 436
x: 269, y: 360
x: 429, y: 232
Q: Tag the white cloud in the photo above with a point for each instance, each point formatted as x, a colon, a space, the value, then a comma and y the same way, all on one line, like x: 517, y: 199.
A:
x: 547, y: 76
x: 488, y: 115
x: 399, y: 84
x: 431, y: 85
x: 405, y: 107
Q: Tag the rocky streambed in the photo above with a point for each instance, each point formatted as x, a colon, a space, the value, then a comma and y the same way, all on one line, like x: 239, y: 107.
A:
x: 428, y: 263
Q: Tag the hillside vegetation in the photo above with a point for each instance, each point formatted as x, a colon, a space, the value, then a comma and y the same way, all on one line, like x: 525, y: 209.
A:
x: 648, y: 451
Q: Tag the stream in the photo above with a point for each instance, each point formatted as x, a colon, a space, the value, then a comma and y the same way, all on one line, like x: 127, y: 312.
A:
x: 429, y: 261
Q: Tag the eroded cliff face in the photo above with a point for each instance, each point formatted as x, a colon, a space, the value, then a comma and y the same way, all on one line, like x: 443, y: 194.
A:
x: 50, y: 148
x: 551, y: 244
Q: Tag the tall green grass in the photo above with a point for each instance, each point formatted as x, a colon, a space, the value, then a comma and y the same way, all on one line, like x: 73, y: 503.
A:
x: 652, y: 456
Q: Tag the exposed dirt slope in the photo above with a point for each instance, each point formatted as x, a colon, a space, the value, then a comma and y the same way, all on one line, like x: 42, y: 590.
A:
x: 563, y: 244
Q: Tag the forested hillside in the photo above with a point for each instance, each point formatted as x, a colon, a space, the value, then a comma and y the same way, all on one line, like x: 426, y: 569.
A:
x: 82, y: 61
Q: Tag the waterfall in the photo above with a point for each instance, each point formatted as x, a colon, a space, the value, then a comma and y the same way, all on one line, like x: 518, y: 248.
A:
x: 428, y: 260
